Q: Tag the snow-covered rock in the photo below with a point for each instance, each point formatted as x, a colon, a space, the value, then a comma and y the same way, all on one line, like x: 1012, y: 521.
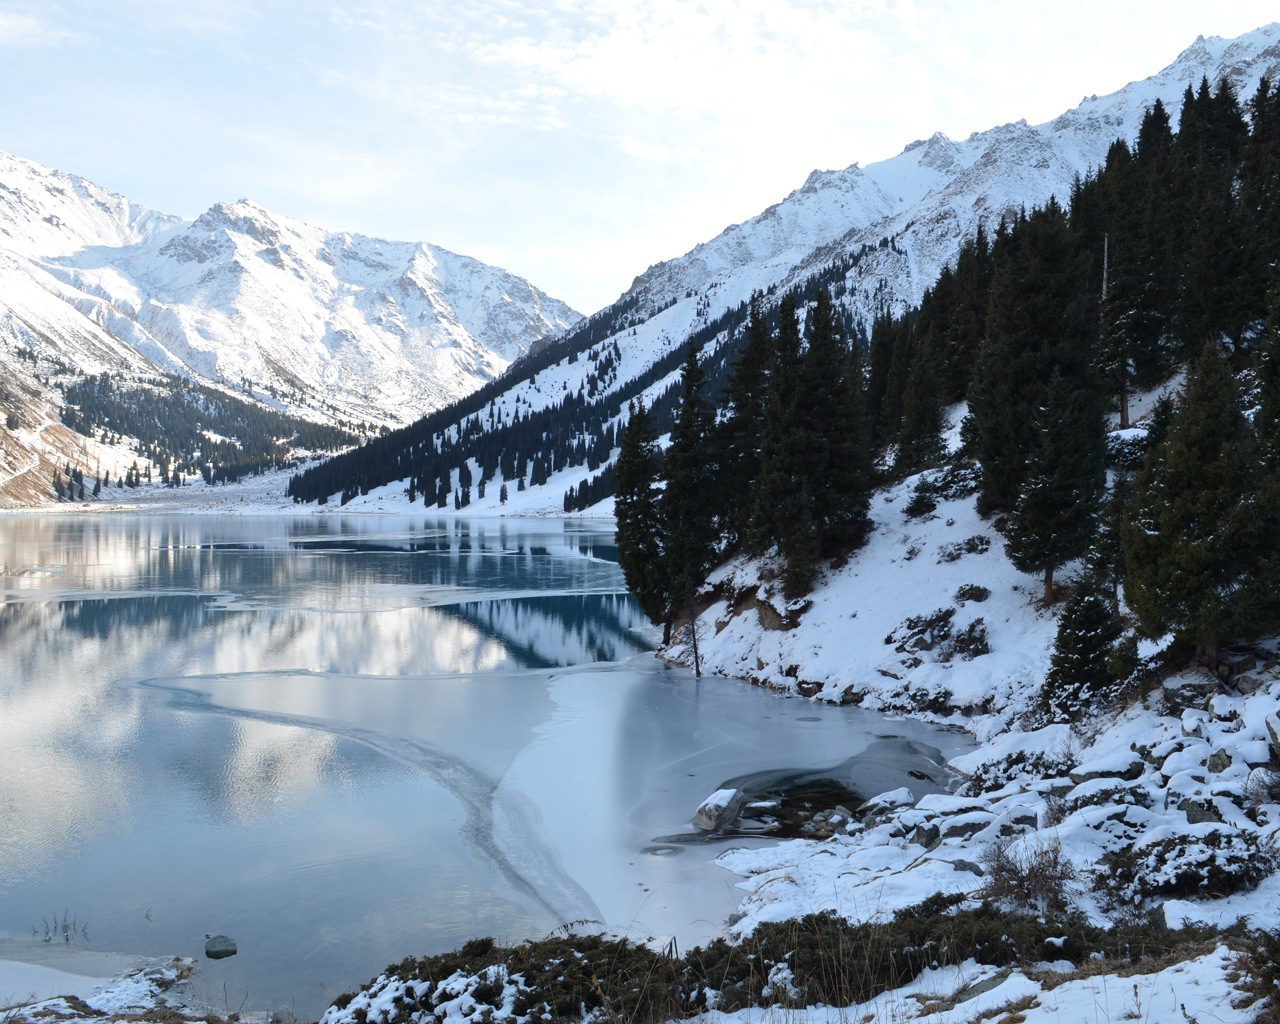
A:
x: 719, y: 810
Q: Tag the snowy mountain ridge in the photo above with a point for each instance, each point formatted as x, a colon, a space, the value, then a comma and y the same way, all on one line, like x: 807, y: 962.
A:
x: 392, y: 329
x: 934, y: 193
x: 333, y: 323
x: 878, y: 236
x: 329, y: 326
x: 46, y: 212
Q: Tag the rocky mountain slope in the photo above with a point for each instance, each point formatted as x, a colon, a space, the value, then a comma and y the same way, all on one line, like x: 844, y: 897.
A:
x: 328, y: 326
x: 909, y: 214
x: 876, y: 236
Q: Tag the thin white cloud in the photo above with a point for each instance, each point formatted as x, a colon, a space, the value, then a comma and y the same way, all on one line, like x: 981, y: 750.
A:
x: 27, y: 30
x: 574, y: 141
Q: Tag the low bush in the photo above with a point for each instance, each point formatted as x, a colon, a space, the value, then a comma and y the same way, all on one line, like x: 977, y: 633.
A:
x: 1029, y: 876
x: 978, y: 544
x: 993, y: 775
x: 923, y: 501
x: 975, y: 592
x: 1218, y: 863
x: 819, y: 958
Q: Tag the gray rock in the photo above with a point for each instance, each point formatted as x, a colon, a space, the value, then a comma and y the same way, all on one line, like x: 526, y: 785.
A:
x: 1219, y: 760
x: 1273, y: 737
x: 1233, y: 663
x: 1128, y: 774
x: 217, y: 947
x: 1246, y: 685
x: 719, y: 810
x: 927, y: 836
x: 967, y: 865
x: 966, y: 829
x: 1200, y: 812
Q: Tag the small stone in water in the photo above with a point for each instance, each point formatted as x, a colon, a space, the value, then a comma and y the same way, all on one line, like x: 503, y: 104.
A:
x: 219, y: 946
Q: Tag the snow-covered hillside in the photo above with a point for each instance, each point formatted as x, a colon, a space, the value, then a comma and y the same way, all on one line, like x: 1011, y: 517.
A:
x: 934, y: 194
x: 877, y: 236
x: 328, y: 326
x: 341, y: 325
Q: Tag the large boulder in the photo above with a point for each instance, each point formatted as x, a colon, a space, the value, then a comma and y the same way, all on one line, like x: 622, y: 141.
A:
x: 719, y: 810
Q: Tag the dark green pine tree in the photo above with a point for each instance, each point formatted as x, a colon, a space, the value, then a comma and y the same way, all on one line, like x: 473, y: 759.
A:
x: 1053, y: 519
x: 1080, y: 666
x: 920, y: 439
x: 774, y: 502
x: 968, y: 316
x: 636, y: 509
x: 1155, y: 137
x: 1037, y: 321
x: 1105, y: 561
x: 1260, y: 171
x: 883, y: 409
x: 1267, y: 419
x: 740, y: 431
x: 1200, y: 536
x: 833, y: 457
x: 689, y: 501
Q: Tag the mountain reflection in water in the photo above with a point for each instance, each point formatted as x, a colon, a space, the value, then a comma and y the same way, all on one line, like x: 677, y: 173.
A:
x: 344, y: 740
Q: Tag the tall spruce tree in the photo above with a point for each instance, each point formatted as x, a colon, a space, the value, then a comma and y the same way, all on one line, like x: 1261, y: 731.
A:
x: 636, y: 509
x: 1080, y: 666
x: 968, y: 320
x: 920, y: 439
x: 1201, y: 531
x: 1260, y: 171
x: 834, y: 451
x: 879, y: 359
x: 1267, y: 418
x: 743, y: 422
x: 1038, y: 321
x: 774, y: 501
x: 1054, y: 517
x: 689, y: 501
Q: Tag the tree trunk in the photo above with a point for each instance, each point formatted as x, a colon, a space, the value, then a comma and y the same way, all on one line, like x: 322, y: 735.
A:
x: 1048, y: 585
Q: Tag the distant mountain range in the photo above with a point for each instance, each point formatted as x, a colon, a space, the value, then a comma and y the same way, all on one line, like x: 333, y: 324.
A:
x: 342, y: 328
x: 877, y: 236
x: 328, y: 326
x: 386, y: 329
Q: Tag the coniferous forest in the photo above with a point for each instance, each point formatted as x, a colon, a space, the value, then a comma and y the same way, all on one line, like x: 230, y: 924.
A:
x: 193, y: 427
x: 1165, y: 260
x: 786, y: 414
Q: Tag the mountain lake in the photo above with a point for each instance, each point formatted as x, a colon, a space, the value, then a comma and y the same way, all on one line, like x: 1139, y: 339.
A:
x: 344, y: 740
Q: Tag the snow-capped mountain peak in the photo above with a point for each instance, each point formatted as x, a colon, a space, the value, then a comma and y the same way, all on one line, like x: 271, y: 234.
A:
x: 45, y: 212
x: 326, y: 323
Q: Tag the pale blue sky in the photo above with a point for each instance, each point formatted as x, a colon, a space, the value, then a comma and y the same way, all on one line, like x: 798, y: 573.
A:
x: 574, y: 142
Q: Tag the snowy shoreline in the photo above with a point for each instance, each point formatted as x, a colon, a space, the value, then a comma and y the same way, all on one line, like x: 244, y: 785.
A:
x: 1139, y: 800
x: 265, y: 495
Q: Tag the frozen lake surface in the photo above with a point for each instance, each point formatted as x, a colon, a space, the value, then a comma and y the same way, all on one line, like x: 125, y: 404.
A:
x: 345, y: 740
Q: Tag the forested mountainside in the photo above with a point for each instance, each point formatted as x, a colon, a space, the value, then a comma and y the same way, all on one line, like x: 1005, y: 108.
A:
x: 876, y: 239
x: 858, y: 527
x: 1162, y: 258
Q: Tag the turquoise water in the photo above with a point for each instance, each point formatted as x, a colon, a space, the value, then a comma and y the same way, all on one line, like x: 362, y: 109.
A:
x: 345, y: 740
